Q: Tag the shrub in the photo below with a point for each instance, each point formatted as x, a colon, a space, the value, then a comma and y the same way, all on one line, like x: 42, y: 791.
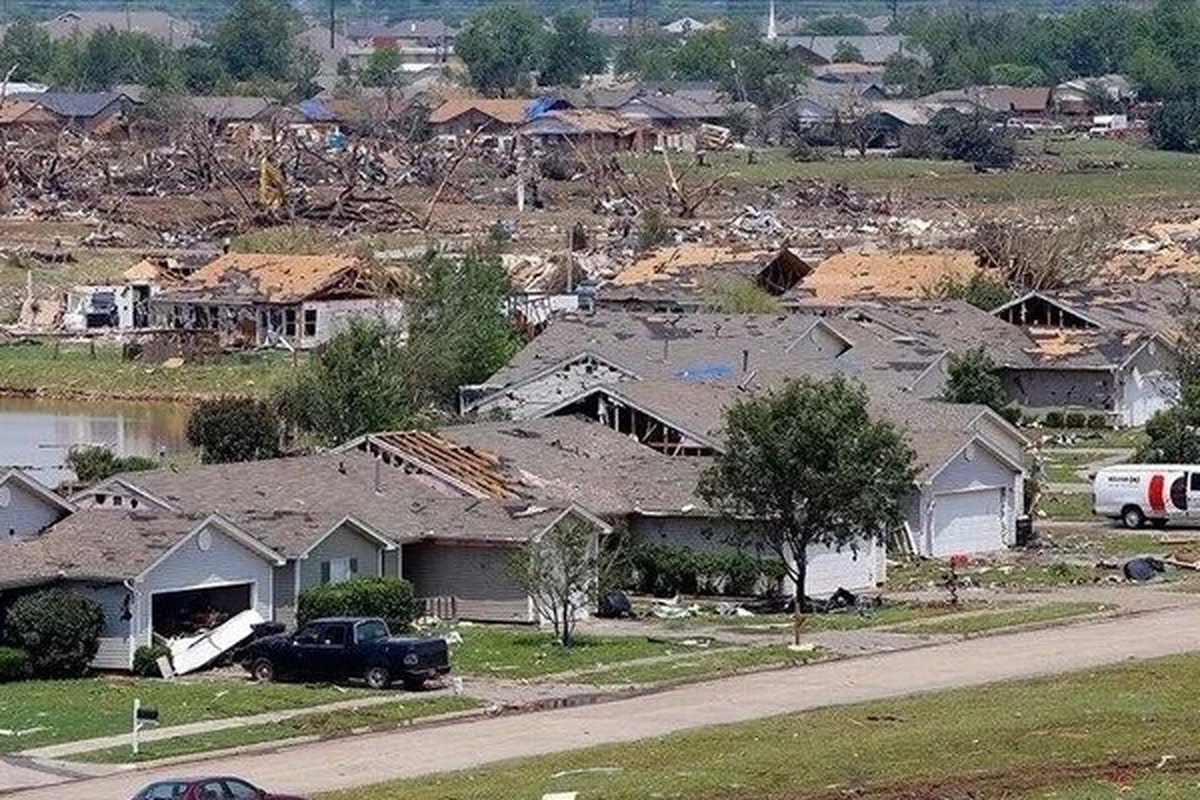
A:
x: 1054, y: 419
x: 653, y: 230
x: 145, y: 660
x: 1097, y: 422
x: 59, y: 629
x: 94, y: 463
x: 1012, y: 414
x: 14, y: 664
x: 228, y: 429
x: 388, y: 598
x: 1076, y: 419
x: 663, y: 570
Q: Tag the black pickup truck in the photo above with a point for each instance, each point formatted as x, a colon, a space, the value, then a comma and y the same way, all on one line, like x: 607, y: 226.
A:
x: 345, y: 648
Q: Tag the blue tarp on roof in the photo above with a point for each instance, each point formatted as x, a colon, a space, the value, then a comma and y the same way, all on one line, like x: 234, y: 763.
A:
x: 539, y: 107
x: 705, y: 372
x: 315, y: 111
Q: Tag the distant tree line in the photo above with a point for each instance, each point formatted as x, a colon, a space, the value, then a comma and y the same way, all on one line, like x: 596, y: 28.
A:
x: 255, y: 48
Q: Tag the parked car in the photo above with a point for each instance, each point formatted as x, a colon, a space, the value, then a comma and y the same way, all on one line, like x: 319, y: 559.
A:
x: 220, y: 788
x: 1141, y: 493
x: 347, y: 648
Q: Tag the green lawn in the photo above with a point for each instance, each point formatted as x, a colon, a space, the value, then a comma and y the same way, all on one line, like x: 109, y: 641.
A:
x: 1149, y: 176
x: 73, y: 371
x: 890, y: 614
x: 982, y: 623
x: 1066, y: 467
x: 322, y: 724
x: 1022, y: 735
x: 1112, y: 543
x: 701, y: 665
x: 1075, y: 506
x: 64, y: 711
x: 506, y: 652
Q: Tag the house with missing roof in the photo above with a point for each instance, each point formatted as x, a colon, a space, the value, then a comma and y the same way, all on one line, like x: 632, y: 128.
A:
x: 1107, y: 352
x: 262, y: 300
x: 664, y: 381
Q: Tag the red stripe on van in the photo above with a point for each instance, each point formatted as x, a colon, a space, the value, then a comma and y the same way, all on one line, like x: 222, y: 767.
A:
x: 1157, y: 501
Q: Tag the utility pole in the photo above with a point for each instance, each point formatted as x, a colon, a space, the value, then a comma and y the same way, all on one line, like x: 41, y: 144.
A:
x: 895, y: 10
x: 332, y: 21
x: 128, y: 18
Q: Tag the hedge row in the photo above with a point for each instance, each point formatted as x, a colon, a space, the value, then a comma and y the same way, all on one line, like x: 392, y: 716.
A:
x: 664, y: 570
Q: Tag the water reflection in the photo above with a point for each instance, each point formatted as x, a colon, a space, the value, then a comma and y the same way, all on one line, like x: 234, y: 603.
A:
x: 36, y: 434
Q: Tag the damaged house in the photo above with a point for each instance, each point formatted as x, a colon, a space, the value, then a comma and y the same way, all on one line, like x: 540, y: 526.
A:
x: 264, y: 300
x: 664, y: 382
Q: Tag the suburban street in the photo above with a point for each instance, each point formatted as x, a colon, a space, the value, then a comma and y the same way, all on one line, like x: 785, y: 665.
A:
x: 337, y: 764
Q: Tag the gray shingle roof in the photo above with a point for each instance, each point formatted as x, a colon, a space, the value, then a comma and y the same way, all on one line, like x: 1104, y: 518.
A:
x: 73, y: 105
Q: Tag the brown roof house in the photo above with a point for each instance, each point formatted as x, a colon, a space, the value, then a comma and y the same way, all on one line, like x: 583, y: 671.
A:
x: 263, y: 300
x: 462, y: 117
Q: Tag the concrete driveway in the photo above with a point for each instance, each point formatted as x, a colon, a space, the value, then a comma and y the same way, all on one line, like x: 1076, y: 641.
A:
x: 342, y: 763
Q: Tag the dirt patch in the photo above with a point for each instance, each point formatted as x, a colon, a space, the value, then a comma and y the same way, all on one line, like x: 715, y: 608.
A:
x: 1017, y: 780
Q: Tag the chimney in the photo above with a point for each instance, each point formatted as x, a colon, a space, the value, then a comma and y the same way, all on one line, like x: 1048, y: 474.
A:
x: 745, y: 361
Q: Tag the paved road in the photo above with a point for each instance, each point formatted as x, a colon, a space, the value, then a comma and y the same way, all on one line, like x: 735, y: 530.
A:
x: 354, y: 761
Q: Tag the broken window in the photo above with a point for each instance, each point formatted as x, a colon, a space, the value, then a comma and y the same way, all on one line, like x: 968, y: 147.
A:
x: 310, y: 322
x: 289, y: 322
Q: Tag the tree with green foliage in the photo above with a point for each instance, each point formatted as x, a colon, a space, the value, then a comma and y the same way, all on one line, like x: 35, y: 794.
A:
x: 390, y: 599
x: 230, y: 429
x: 94, y: 463
x: 972, y: 139
x: 846, y: 53
x: 648, y: 55
x: 501, y: 46
x: 972, y: 379
x: 561, y: 571
x: 459, y: 331
x: 1173, y: 434
x: 27, y: 48
x: 572, y: 50
x: 59, y: 629
x: 1017, y: 75
x: 810, y: 467
x: 384, y: 68
x: 355, y: 383
x: 741, y: 296
x: 257, y: 40
x: 706, y: 55
x: 1175, y: 125
x: 983, y: 290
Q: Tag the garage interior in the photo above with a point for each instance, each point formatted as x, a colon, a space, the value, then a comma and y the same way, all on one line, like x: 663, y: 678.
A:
x: 191, y: 611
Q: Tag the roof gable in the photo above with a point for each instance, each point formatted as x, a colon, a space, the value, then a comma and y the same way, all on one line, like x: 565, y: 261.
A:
x: 20, y: 478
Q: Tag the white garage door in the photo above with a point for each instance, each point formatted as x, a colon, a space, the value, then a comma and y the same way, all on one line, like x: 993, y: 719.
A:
x: 968, y: 522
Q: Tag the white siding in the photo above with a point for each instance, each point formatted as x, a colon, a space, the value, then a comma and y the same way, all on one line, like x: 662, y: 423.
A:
x: 333, y: 316
x: 225, y: 562
x: 974, y: 469
x: 23, y: 513
x: 116, y: 642
x: 1149, y: 387
x: 532, y: 399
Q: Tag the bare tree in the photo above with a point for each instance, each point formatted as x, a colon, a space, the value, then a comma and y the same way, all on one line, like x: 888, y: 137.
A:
x: 562, y: 571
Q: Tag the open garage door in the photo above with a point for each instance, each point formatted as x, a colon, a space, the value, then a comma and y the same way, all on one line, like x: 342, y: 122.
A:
x: 968, y: 522
x: 192, y: 611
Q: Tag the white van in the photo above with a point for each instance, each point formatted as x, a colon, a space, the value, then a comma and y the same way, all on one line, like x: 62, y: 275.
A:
x: 1141, y: 493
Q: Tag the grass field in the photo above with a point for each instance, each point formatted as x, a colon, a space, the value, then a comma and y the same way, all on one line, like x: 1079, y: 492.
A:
x: 73, y: 371
x: 891, y: 614
x: 1076, y: 175
x: 1066, y: 467
x: 974, y: 624
x: 321, y: 724
x: 50, y: 712
x: 1072, y: 507
x: 1102, y: 729
x: 701, y: 666
x: 929, y: 574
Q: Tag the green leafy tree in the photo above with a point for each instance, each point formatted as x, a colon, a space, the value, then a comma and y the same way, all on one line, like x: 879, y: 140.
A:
x: 707, y: 55
x: 355, y: 383
x: 199, y: 69
x: 764, y: 74
x: 572, y: 50
x: 648, y: 56
x: 562, y: 571
x: 230, y: 429
x: 982, y: 290
x: 501, y: 46
x: 810, y: 467
x: 972, y: 378
x: 460, y: 332
x: 59, y: 629
x: 907, y: 74
x: 1175, y: 125
x: 1017, y: 75
x: 846, y: 53
x: 258, y: 40
x: 384, y: 68
x: 390, y: 599
x: 1173, y: 435
x: 94, y: 463
x: 27, y: 47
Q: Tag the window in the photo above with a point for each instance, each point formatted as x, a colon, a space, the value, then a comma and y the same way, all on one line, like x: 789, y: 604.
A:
x: 310, y: 322
x: 333, y: 634
x: 240, y: 790
x: 370, y: 631
x: 118, y: 500
x: 1196, y: 481
x: 289, y: 322
x: 162, y: 791
x: 338, y: 569
x: 210, y: 791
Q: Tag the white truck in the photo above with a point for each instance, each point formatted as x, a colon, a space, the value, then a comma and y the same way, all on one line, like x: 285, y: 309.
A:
x: 1138, y: 494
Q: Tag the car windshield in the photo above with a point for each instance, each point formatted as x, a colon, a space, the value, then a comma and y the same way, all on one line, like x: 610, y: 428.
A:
x: 371, y: 630
x: 166, y: 790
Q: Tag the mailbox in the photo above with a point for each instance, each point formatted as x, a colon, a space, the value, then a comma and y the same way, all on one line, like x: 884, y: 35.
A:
x: 147, y: 713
